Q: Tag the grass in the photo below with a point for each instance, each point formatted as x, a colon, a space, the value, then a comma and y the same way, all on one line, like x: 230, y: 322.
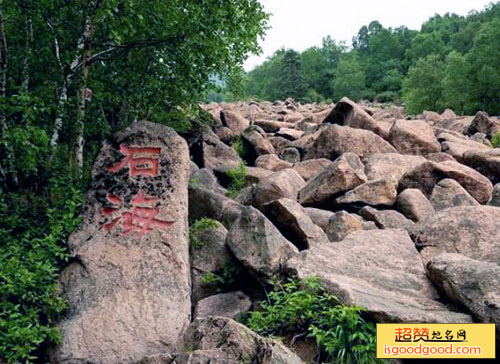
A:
x: 198, y: 226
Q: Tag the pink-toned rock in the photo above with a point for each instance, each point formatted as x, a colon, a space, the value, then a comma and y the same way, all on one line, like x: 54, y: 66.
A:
x: 282, y: 184
x: 468, y: 230
x: 386, y: 219
x: 319, y: 217
x: 272, y: 126
x: 272, y: 162
x: 414, y: 137
x: 425, y: 177
x: 231, y: 305
x: 386, y: 165
x: 374, y: 193
x: 482, y: 123
x: 486, y: 162
x: 234, y: 121
x: 449, y: 193
x: 211, y: 153
x: 128, y: 288
x: 345, y: 173
x: 341, y: 224
x: 311, y: 168
x: 414, y: 205
x: 457, y: 145
x: 279, y: 143
x: 379, y: 270
x: 225, y: 134
x: 440, y: 157
x: 348, y: 113
x: 335, y: 140
x: 290, y: 134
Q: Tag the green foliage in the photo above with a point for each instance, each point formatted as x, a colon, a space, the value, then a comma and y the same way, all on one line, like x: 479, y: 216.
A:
x: 30, y: 259
x: 349, y: 79
x: 495, y: 140
x: 240, y: 147
x: 224, y: 280
x: 238, y: 177
x: 304, y: 307
x: 198, y: 226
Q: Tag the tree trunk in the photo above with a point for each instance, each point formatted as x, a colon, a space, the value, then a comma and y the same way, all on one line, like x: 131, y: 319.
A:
x: 3, y: 66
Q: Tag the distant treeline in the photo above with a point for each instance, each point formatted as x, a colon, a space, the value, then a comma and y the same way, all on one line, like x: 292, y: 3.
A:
x: 454, y: 61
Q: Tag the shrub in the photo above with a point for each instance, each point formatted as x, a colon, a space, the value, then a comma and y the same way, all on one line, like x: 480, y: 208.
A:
x: 198, y: 226
x: 224, y: 280
x: 238, y: 177
x: 239, y: 147
x: 495, y: 140
x: 304, y: 307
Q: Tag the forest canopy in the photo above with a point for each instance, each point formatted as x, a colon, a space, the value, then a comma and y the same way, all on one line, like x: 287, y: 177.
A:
x: 452, y: 62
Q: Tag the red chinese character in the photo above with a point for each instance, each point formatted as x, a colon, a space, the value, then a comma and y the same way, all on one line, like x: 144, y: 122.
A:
x: 402, y: 334
x: 142, y: 161
x: 140, y: 220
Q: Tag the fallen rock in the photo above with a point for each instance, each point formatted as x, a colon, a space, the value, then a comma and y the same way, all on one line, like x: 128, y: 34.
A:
x: 482, y: 123
x: 282, y: 184
x: 319, y: 217
x: 256, y: 142
x: 473, y: 283
x: 469, y: 230
x: 225, y: 135
x: 290, y: 134
x: 414, y: 137
x: 448, y: 114
x: 211, y: 153
x: 258, y: 244
x: 272, y: 162
x: 291, y: 155
x: 209, y: 255
x: 449, y: 193
x: 386, y: 219
x: 335, y: 140
x: 425, y: 177
x: 495, y: 196
x: 440, y: 157
x: 457, y: 145
x: 374, y: 193
x: 231, y: 305
x: 222, y: 340
x: 294, y: 223
x: 345, y: 173
x: 311, y: 168
x: 347, y: 113
x: 379, y: 270
x: 342, y: 224
x: 279, y: 143
x: 486, y: 162
x: 414, y: 205
x: 234, y: 121
x: 121, y: 309
x: 206, y: 178
x: 386, y: 165
x: 272, y: 126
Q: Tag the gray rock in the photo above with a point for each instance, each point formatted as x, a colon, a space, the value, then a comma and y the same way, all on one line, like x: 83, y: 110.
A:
x: 294, y: 223
x: 386, y: 219
x: 128, y: 288
x: 414, y: 205
x: 291, y: 155
x: 449, y: 193
x: 473, y: 283
x: 230, y: 305
x: 374, y: 193
x: 258, y: 244
x: 495, y: 196
x: 469, y: 230
x: 486, y: 162
x: 345, y: 173
x: 319, y: 217
x: 379, y: 270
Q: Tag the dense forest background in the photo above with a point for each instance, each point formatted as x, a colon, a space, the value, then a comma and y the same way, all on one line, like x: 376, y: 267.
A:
x: 452, y: 62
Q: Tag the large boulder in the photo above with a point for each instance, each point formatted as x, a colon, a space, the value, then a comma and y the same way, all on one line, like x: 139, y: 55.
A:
x: 128, y: 286
x: 319, y: 216
x: 414, y: 205
x: 457, y: 145
x: 379, y: 270
x: 204, y: 202
x: 482, y: 123
x: 473, y: 283
x: 258, y: 244
x: 234, y: 121
x: 311, y: 168
x: 345, y: 173
x: 414, y: 137
x: 348, y: 113
x: 425, y: 176
x: 386, y: 219
x: 343, y: 223
x: 272, y: 162
x: 385, y: 165
x: 377, y: 192
x: 469, y: 230
x: 486, y: 162
x: 210, y: 152
x: 256, y: 142
x: 285, y: 183
x: 449, y: 193
x: 294, y: 223
x: 335, y: 140
x: 495, y: 196
x: 222, y: 340
x: 231, y: 304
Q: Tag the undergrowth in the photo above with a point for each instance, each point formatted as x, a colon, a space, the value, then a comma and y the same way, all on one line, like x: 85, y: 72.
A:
x: 304, y: 308
x: 238, y: 177
x: 198, y: 226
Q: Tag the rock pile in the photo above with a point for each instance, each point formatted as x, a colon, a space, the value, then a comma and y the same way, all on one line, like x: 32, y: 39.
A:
x: 395, y: 214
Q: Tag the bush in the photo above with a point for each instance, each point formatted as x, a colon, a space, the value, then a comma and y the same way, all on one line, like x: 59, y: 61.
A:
x: 31, y: 255
x: 200, y: 225
x: 304, y: 307
x: 225, y: 279
x: 238, y: 177
x: 495, y: 140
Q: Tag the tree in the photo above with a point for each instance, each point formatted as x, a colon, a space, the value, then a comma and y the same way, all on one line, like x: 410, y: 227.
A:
x: 290, y: 82
x: 349, y: 79
x: 456, y: 85
x: 422, y: 87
